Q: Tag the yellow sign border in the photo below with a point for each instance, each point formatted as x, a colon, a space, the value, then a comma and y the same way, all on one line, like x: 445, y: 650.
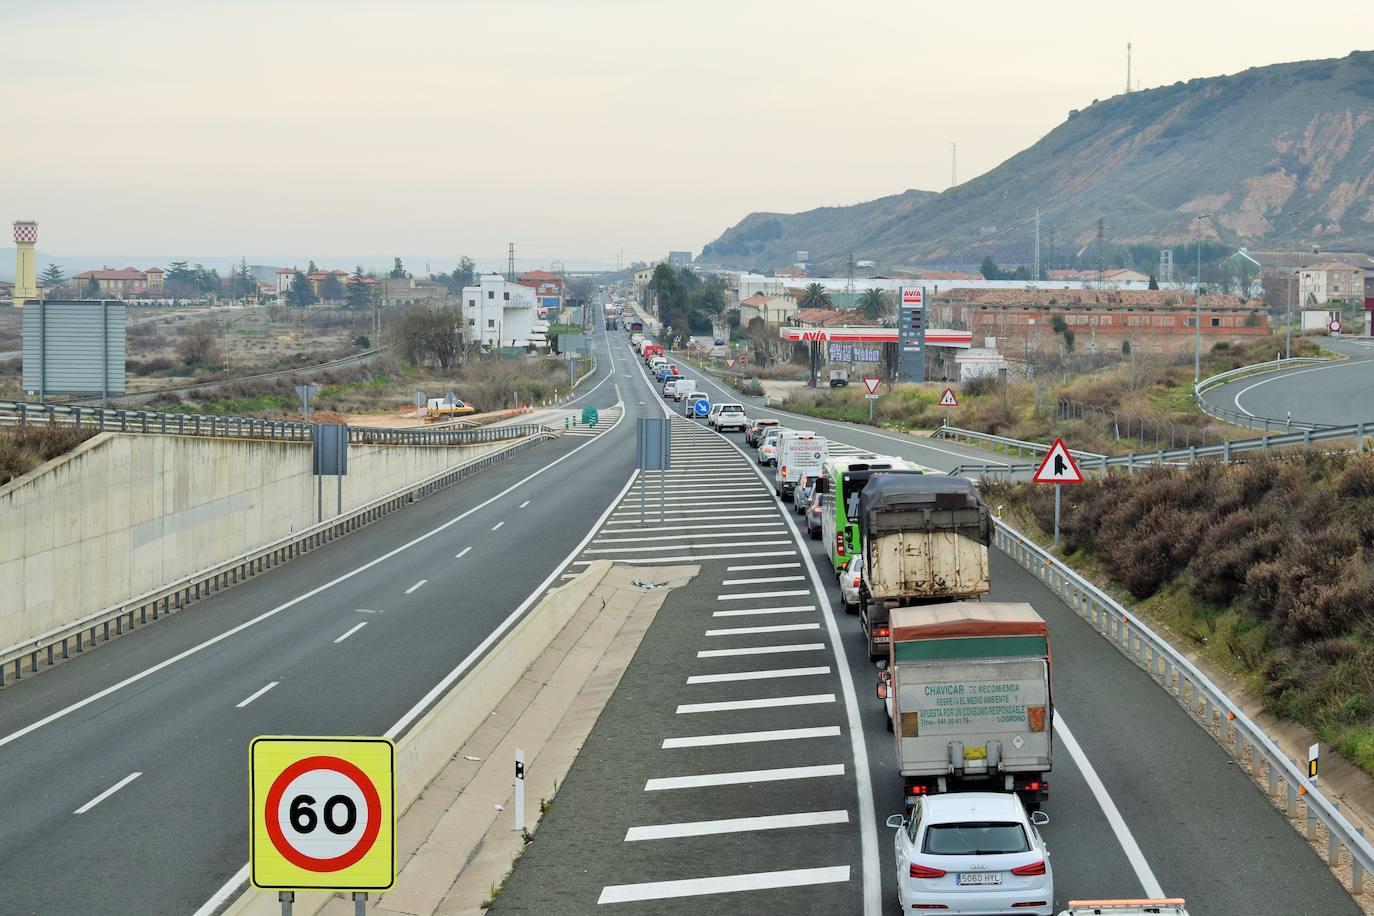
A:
x: 276, y: 864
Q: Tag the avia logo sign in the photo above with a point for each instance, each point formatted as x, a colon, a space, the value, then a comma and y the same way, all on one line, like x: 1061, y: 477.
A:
x: 911, y: 295
x: 813, y: 335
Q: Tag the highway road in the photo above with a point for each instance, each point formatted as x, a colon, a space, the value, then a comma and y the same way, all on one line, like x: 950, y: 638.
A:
x: 743, y: 764
x: 351, y: 639
x: 1335, y: 394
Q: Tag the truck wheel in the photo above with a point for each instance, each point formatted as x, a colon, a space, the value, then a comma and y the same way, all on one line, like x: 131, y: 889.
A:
x: 851, y: 608
x: 815, y: 535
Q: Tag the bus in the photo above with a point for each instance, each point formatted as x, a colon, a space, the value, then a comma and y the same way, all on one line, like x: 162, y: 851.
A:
x: 841, y: 480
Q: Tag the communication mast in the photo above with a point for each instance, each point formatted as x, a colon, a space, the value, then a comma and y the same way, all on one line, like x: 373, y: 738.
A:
x: 1101, y: 250
x: 1128, y: 66
x: 849, y: 281
x: 953, y: 164
x: 510, y: 263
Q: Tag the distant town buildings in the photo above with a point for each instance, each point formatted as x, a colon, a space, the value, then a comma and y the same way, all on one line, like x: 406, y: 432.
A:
x: 501, y: 315
x: 548, y: 288
x: 678, y: 259
x: 1330, y: 281
x: 772, y: 309
x: 126, y: 283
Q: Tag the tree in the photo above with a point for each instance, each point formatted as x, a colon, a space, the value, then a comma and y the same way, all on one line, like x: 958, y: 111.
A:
x: 1154, y: 284
x: 465, y: 274
x: 398, y: 270
x: 300, y: 294
x: 815, y: 297
x: 179, y: 272
x: 424, y: 336
x: 311, y: 269
x: 53, y: 276
x: 92, y: 289
x: 199, y: 347
x: 989, y: 269
x: 875, y: 304
x: 359, y: 290
x: 242, y: 285
x: 331, y: 290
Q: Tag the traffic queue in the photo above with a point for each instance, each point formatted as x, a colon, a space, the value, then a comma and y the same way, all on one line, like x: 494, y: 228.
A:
x: 965, y: 682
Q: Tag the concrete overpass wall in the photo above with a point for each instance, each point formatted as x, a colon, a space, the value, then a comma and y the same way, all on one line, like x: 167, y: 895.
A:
x: 124, y: 514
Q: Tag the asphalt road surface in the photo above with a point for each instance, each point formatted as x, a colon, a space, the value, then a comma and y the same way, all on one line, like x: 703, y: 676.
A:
x: 349, y: 639
x: 764, y: 808
x: 1335, y: 394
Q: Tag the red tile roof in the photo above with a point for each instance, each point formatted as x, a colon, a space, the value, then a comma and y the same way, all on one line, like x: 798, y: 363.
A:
x: 108, y: 273
x: 538, y: 275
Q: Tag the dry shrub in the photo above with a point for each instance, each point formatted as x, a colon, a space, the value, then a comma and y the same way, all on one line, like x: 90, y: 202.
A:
x: 1357, y: 480
x: 23, y: 448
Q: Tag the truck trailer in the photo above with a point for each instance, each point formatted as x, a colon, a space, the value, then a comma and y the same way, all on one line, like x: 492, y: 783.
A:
x: 967, y: 688
x: 924, y: 539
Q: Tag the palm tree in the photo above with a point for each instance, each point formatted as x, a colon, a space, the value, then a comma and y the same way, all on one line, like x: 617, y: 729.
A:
x: 816, y: 297
x: 875, y: 305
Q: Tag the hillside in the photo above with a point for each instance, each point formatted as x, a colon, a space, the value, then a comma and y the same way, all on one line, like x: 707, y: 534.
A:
x: 1279, y: 155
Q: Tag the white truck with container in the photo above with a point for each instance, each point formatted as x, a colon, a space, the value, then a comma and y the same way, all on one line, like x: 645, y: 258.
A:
x: 968, y: 696
x: 800, y: 452
x: 924, y: 539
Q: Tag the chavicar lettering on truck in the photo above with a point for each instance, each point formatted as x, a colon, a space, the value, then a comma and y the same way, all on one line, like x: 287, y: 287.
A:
x: 968, y: 697
x: 924, y: 539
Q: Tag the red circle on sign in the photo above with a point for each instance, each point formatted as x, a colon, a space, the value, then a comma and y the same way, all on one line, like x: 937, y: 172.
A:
x: 349, y: 771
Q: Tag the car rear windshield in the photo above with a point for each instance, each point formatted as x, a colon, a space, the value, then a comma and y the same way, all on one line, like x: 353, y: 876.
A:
x: 984, y: 838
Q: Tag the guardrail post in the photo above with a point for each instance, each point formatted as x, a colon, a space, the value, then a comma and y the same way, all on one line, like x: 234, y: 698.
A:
x: 1307, y: 438
x: 1356, y: 872
x: 1333, y: 846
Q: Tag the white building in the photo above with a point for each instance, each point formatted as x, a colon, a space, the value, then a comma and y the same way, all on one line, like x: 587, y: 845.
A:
x: 501, y: 314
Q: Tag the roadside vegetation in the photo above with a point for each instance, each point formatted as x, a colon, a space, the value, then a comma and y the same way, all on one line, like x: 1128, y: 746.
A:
x: 23, y: 448
x: 1266, y: 568
x: 1138, y: 402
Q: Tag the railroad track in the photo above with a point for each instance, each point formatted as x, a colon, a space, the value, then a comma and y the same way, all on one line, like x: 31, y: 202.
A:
x: 135, y: 397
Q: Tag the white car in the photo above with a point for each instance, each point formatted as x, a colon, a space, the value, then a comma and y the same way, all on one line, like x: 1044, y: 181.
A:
x: 851, y: 582
x: 972, y: 853
x: 728, y: 415
x: 768, y: 446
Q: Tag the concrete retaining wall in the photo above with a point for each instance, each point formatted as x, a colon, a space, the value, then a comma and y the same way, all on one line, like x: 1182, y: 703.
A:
x: 122, y: 514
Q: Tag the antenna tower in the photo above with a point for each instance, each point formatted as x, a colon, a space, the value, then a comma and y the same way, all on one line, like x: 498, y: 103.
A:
x: 953, y: 164
x: 1035, y: 274
x: 510, y: 262
x: 1128, y: 66
x: 1101, y: 250
x: 849, y: 280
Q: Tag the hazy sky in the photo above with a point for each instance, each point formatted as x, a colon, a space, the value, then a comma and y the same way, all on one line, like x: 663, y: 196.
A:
x: 569, y: 126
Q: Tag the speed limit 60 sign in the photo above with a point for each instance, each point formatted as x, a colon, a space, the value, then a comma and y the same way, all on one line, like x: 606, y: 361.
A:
x: 323, y: 814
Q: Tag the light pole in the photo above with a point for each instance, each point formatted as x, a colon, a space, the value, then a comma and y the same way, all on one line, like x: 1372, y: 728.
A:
x: 1288, y: 325
x: 1197, y: 300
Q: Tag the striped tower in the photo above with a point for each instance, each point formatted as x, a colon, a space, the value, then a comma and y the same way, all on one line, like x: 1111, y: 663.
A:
x: 25, y: 273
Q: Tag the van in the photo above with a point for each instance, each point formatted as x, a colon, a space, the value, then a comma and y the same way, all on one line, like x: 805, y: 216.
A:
x: 800, y: 452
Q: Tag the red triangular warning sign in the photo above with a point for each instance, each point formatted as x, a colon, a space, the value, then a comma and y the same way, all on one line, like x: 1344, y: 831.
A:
x: 948, y: 399
x: 1058, y: 466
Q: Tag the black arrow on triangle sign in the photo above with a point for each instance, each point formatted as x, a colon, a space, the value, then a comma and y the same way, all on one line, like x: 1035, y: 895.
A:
x: 1060, y: 465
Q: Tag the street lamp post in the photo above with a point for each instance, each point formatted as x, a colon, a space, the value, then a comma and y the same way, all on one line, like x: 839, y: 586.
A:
x: 1197, y: 299
x: 1288, y: 325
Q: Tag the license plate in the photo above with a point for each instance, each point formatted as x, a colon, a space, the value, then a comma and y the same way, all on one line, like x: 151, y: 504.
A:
x: 882, y: 639
x: 967, y: 879
x: 975, y: 753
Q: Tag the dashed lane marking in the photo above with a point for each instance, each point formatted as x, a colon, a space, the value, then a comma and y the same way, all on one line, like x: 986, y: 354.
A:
x: 765, y: 675
x: 723, y: 884
x: 762, y: 650
x: 776, y: 628
x: 743, y: 777
x: 764, y: 611
x: 746, y: 596
x: 814, y: 699
x: 736, y: 825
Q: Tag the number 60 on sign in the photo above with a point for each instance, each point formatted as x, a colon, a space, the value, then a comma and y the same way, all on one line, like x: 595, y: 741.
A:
x: 323, y: 814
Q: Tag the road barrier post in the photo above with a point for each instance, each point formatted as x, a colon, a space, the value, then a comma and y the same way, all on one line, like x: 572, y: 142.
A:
x: 519, y: 790
x: 286, y: 898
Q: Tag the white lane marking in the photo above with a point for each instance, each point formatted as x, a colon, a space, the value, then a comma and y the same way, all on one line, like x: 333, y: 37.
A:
x: 417, y: 586
x: 651, y: 514
x: 497, y: 525
x: 462, y: 553
x: 763, y: 566
x: 814, y: 699
x: 704, y: 547
x: 767, y: 675
x: 746, y: 596
x: 1143, y: 873
x: 1284, y: 375
x: 709, y: 499
x: 764, y: 611
x: 107, y: 793
x: 778, y: 734
x: 740, y: 777
x: 242, y: 875
x: 255, y: 694
x: 765, y: 530
x: 762, y: 650
x: 696, y: 557
x: 523, y: 504
x: 863, y: 782
x: 350, y: 631
x: 629, y: 527
x: 764, y: 579
x: 736, y: 825
x: 777, y: 628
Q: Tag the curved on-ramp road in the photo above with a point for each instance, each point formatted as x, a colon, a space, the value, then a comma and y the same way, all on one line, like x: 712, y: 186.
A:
x: 1333, y: 394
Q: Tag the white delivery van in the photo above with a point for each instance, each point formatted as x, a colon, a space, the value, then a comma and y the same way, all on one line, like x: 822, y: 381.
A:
x: 800, y: 452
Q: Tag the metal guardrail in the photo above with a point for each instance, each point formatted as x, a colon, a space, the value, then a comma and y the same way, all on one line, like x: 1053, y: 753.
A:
x: 108, y: 623
x: 1194, y: 691
x: 1002, y: 443
x: 179, y: 424
x: 1186, y: 456
x: 1239, y: 418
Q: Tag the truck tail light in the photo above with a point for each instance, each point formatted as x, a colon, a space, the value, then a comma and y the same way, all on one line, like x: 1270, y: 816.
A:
x: 878, y: 631
x: 1035, y: 715
x: 1035, y: 868
x: 925, y: 871
x: 855, y: 583
x: 783, y: 472
x: 918, y: 790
